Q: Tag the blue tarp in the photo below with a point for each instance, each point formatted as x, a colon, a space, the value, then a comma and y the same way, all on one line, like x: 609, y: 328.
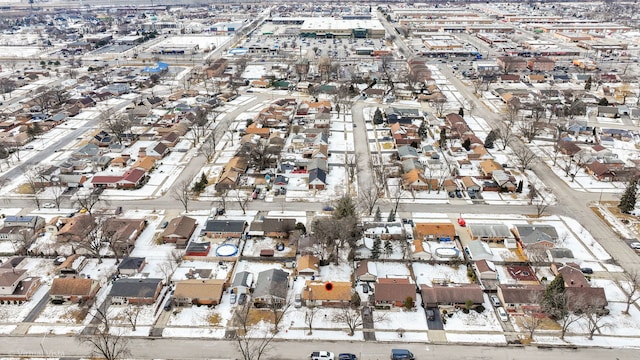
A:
x: 160, y: 67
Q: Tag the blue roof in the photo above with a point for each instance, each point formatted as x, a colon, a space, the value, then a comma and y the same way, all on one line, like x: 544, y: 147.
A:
x: 160, y: 66
x: 19, y: 218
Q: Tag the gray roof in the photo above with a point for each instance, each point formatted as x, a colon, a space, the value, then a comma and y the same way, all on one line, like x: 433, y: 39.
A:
x: 479, y: 251
x: 272, y: 282
x: 530, y: 234
x: 131, y: 263
x: 560, y: 253
x: 241, y: 279
x: 225, y: 226
x: 133, y: 287
x: 407, y: 150
x: 490, y: 230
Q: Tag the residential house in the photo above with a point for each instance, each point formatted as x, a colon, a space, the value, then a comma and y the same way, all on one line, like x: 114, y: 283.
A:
x: 123, y: 233
x: 308, y: 265
x: 451, y: 294
x: 87, y: 151
x: 491, y: 232
x: 505, y: 180
x: 146, y: 163
x: 72, y: 265
x: 601, y: 171
x: 179, y: 231
x: 479, y: 250
x: 541, y: 64
x: 76, y: 229
x: 317, y: 179
x: 470, y: 184
x: 402, y: 115
x: 568, y: 147
x: 519, y: 297
x: 198, y: 292
x: 130, y: 266
x: 415, y: 180
x: 10, y: 279
x: 443, y: 232
x: 198, y: 249
x: 224, y: 228
x: 366, y: 271
x: 560, y: 255
x: 536, y: 236
x: 34, y: 223
x: 72, y: 289
x: 139, y: 291
x: 241, y: 283
x: 407, y: 152
x: 486, y: 270
x: 487, y: 167
x: 394, y: 292
x: 320, y: 293
x: 271, y: 288
x: 156, y: 150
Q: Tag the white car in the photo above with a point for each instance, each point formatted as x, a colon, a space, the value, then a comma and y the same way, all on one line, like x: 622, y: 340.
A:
x: 49, y: 205
x: 502, y: 314
x: 322, y: 355
x: 635, y: 245
x: 495, y: 300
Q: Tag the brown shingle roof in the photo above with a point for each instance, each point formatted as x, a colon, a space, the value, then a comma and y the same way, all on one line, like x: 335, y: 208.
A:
x: 394, y: 289
x: 454, y: 294
x: 71, y: 286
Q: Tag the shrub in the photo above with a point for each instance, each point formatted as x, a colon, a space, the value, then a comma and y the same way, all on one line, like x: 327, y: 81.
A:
x: 465, y: 310
x: 479, y: 309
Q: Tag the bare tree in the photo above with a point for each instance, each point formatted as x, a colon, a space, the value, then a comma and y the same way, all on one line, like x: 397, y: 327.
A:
x: 253, y: 341
x: 438, y: 104
x: 309, y: 315
x: 368, y: 197
x: 105, y: 341
x: 351, y: 163
x: 531, y: 322
x: 131, y: 314
x: 88, y: 200
x: 524, y: 156
x: 505, y: 133
x: 631, y: 288
x: 278, y: 309
x: 35, y: 183
x: 93, y: 241
x: 596, y: 319
x: 349, y: 316
x: 565, y: 322
x: 242, y: 201
x: 182, y: 192
x: 118, y: 125
x: 208, y: 148
x: 57, y: 192
x: 541, y: 207
x: 529, y: 129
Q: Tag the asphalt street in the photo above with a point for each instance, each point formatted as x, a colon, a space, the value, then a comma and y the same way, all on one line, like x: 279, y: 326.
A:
x: 198, y: 348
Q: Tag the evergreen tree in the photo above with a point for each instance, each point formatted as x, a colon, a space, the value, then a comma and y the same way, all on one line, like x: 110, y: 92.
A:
x: 461, y: 111
x: 466, y: 144
x: 422, y: 130
x: 587, y: 84
x: 491, y: 138
x: 603, y: 102
x: 345, y: 207
x: 375, y: 252
x: 388, y: 248
x: 392, y: 216
x: 378, y: 216
x: 377, y: 117
x: 519, y: 188
x: 554, y: 301
x: 443, y: 138
x: 628, y: 200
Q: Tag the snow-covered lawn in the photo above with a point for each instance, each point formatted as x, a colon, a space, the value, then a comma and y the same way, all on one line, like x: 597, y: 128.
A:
x: 473, y: 321
x: 426, y: 273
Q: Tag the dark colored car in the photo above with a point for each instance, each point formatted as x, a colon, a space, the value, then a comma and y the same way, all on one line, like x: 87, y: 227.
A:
x: 347, y: 357
x: 242, y: 299
x: 587, y: 270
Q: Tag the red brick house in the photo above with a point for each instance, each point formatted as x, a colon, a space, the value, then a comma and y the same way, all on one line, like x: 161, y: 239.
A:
x: 392, y: 292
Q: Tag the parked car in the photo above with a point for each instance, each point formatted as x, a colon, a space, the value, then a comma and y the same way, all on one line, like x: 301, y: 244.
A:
x: 365, y: 288
x: 169, y: 304
x: 458, y: 193
x: 502, y: 314
x: 347, y: 356
x: 587, y: 270
x: 431, y: 315
x: 49, y: 205
x: 452, y: 194
x: 635, y: 245
x: 242, y: 299
x: 495, y: 300
x: 232, y: 298
x: 322, y: 355
x: 402, y: 354
x: 164, y: 225
x: 59, y: 260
